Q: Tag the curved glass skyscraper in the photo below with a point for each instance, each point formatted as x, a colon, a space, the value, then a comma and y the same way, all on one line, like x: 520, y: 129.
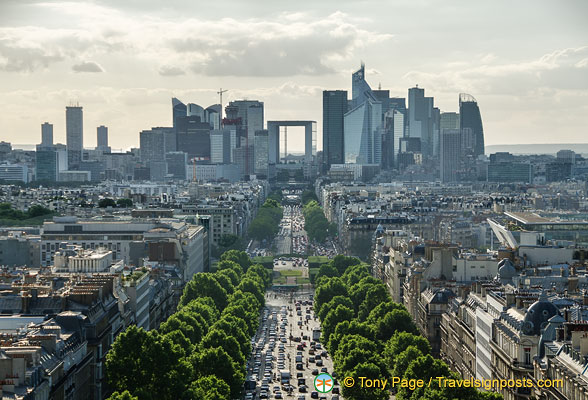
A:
x: 470, y: 117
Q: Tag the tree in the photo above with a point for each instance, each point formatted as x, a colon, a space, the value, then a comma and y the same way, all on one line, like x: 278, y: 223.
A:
x: 124, y: 203
x: 350, y: 342
x: 400, y: 341
x: 307, y: 196
x: 359, y: 291
x: 342, y: 262
x: 107, y: 202
x: 204, y: 285
x: 125, y: 369
x: 186, y: 323
x: 327, y: 270
x: 126, y: 395
x: 218, y: 338
x: 328, y: 289
x: 225, y: 282
x: 424, y: 367
x: 397, y: 320
x: 403, y: 359
x: 350, y: 328
x: 240, y: 257
x: 378, y: 294
x: 38, y: 211
x: 249, y: 285
x: 262, y: 272
x: 231, y: 275
x: 216, y: 361
x: 332, y: 304
x: 235, y: 327
x: 339, y: 314
x: 146, y: 361
x: 205, y: 307
x: 210, y: 387
x: 359, y: 392
x: 382, y: 309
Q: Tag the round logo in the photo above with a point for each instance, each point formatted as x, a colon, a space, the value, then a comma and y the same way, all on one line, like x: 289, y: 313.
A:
x: 323, y: 383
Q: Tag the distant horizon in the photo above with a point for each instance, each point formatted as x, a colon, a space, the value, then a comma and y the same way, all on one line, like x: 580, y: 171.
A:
x: 503, y: 147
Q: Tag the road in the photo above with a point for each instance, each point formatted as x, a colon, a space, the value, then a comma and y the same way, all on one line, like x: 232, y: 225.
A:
x: 274, y: 351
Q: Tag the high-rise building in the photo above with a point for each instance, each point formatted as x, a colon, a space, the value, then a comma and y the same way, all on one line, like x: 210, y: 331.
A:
x: 49, y: 161
x: 222, y: 143
x: 152, y: 145
x: 47, y: 134
x: 261, y: 147
x: 193, y: 137
x: 74, y: 129
x: 450, y: 153
x: 179, y: 109
x: 102, y: 138
x: 177, y: 162
x: 362, y: 124
x: 334, y: 109
x: 248, y: 116
x: 470, y: 118
x: 421, y: 118
x: 449, y: 120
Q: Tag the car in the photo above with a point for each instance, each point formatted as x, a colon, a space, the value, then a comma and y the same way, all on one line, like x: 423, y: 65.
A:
x: 324, y: 369
x: 278, y: 395
x: 302, y: 397
x: 336, y: 390
x: 299, y: 374
x: 302, y: 388
x: 263, y: 395
x: 314, y: 395
x: 300, y: 367
x: 319, y: 363
x: 315, y: 372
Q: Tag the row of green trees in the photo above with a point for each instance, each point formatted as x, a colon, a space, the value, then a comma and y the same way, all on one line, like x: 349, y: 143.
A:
x: 200, y: 351
x: 369, y: 335
x: 266, y: 223
x: 9, y: 213
x: 315, y: 223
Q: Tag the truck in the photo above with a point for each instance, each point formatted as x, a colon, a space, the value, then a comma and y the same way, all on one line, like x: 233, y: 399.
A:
x: 284, y: 377
x: 316, y: 335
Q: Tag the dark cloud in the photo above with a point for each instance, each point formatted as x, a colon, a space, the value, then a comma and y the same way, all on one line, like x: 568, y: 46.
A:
x: 24, y: 59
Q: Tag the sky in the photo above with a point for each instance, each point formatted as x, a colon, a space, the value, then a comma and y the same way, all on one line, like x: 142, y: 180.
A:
x: 526, y: 62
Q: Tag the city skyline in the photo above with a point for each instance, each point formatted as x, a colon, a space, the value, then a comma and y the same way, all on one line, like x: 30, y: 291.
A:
x: 528, y: 82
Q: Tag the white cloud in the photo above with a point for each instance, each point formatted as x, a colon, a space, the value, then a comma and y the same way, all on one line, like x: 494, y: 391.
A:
x: 170, y: 70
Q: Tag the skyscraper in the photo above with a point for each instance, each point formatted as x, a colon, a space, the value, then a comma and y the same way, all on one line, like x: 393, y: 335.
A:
x: 421, y: 118
x: 470, y: 118
x: 47, y: 134
x: 334, y: 109
x: 102, y: 138
x: 248, y: 116
x: 261, y: 152
x: 74, y: 129
x: 193, y: 137
x: 179, y: 109
x: 450, y: 153
x: 363, y: 127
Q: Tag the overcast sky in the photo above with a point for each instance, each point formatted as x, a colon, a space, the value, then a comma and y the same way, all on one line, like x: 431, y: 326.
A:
x: 526, y: 62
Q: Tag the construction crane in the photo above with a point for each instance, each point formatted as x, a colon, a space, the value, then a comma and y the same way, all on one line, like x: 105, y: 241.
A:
x: 220, y: 93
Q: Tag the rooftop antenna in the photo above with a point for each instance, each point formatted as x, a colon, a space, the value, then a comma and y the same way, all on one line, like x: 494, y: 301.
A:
x: 379, y: 85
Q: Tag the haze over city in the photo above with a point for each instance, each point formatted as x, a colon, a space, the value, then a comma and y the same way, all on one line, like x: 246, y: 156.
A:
x: 527, y: 65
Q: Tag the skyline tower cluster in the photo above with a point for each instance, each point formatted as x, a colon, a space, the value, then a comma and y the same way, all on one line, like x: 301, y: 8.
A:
x: 374, y: 129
